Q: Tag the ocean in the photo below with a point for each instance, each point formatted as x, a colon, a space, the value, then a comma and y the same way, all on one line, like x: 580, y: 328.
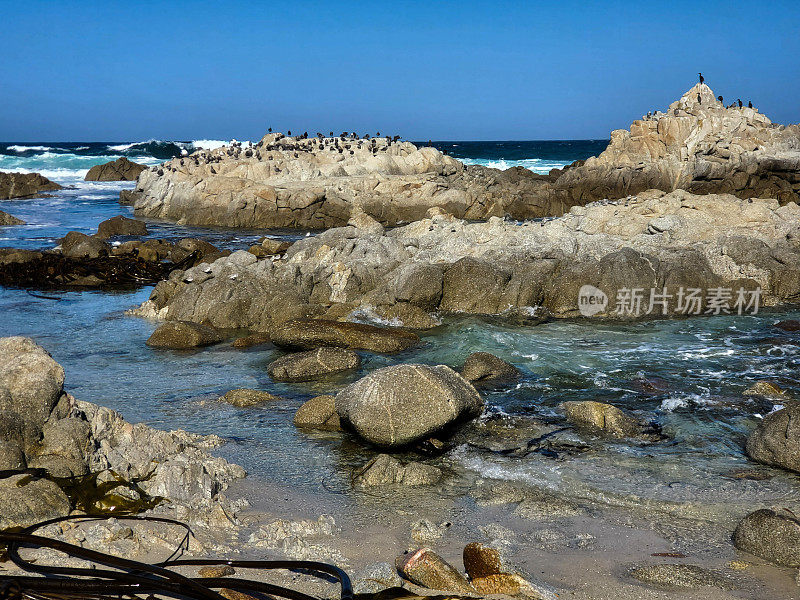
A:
x: 685, y: 375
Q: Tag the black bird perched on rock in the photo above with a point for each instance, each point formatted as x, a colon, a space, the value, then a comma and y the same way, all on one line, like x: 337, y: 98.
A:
x: 289, y: 132
x: 269, y: 130
x: 749, y: 104
x: 702, y: 79
x: 720, y: 99
x: 740, y: 102
x: 699, y: 99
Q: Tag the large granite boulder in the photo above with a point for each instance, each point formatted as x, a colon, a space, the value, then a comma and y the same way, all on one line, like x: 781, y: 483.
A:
x: 770, y: 535
x: 304, y: 366
x: 387, y: 470
x: 121, y: 169
x: 25, y: 501
x: 7, y: 219
x: 22, y: 185
x: 601, y: 418
x: 318, y: 413
x: 120, y: 225
x: 776, y: 440
x: 482, y: 367
x: 398, y: 405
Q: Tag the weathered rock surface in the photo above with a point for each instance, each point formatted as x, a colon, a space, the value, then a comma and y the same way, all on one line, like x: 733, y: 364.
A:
x: 717, y: 243
x: 401, y: 404
x: 776, y: 440
x: 179, y: 335
x: 50, y: 430
x: 22, y: 185
x: 7, y: 219
x: 387, y: 470
x: 243, y: 397
x: 120, y: 225
x: 701, y: 147
x: 304, y: 366
x: 770, y: 535
x: 318, y: 413
x: 121, y: 169
x: 485, y: 367
x: 601, y: 418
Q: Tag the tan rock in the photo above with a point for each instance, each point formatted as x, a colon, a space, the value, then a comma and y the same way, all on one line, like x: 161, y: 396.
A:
x: 216, y: 571
x: 602, y: 418
x: 426, y: 568
x: 318, y: 413
x: 245, y: 397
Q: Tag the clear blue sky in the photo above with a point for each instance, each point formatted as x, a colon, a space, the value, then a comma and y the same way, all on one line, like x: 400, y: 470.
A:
x: 131, y: 71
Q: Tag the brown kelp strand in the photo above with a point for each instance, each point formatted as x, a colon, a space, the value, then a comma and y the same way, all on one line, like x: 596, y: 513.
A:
x: 117, y: 576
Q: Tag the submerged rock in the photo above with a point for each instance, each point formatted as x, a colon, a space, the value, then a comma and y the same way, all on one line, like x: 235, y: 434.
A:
x: 318, y: 413
x: 485, y: 367
x: 180, y: 335
x: 254, y: 339
x: 22, y: 185
x: 598, y: 417
x: 245, y: 397
x: 426, y: 568
x: 511, y: 584
x: 7, y: 219
x: 120, y: 225
x: 680, y: 576
x: 776, y: 440
x: 387, y: 470
x: 121, y: 169
x: 402, y: 404
x: 788, y: 325
x: 770, y: 535
x: 304, y: 334
x: 304, y: 366
x: 765, y: 388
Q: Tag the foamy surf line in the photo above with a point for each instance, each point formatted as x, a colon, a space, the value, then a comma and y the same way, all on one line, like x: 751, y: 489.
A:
x: 537, y: 165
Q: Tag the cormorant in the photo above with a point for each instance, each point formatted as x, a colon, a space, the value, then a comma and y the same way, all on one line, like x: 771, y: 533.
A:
x: 740, y: 102
x: 720, y: 99
x: 749, y: 104
x: 288, y: 132
x: 269, y: 130
x: 702, y: 79
x: 699, y: 99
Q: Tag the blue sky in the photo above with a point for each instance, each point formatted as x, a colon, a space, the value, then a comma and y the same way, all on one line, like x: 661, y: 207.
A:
x: 127, y: 71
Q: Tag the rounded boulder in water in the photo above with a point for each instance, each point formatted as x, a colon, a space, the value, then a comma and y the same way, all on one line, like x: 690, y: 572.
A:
x: 402, y: 404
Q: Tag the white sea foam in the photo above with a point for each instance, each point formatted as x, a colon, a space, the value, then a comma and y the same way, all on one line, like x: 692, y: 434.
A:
x: 123, y: 147
x: 208, y: 144
x: 21, y: 149
x: 537, y: 165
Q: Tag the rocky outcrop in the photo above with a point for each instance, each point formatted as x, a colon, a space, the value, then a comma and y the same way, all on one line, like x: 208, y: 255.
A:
x: 79, y: 245
x: 776, y: 440
x: 398, y: 405
x: 7, y: 219
x: 63, y: 437
x: 121, y: 169
x: 320, y: 183
x: 305, y: 366
x: 22, y: 185
x: 699, y: 146
x: 708, y: 254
